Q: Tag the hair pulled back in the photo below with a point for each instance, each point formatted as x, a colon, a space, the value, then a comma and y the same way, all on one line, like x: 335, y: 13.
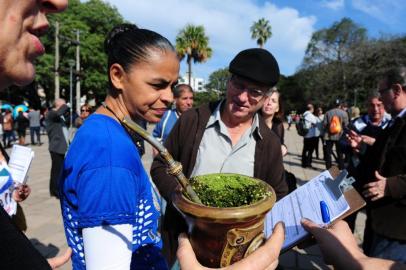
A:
x: 126, y: 44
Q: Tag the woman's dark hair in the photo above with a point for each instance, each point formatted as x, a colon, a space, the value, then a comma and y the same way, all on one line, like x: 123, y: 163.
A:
x: 180, y: 88
x: 126, y: 44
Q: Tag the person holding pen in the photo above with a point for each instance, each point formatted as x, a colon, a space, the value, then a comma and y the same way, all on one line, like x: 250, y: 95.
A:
x: 340, y: 249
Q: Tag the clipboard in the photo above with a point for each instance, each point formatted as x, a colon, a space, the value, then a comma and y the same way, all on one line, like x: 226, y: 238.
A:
x: 335, y: 189
x: 354, y: 199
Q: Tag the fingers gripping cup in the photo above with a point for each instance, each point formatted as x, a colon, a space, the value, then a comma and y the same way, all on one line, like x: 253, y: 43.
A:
x: 229, y: 223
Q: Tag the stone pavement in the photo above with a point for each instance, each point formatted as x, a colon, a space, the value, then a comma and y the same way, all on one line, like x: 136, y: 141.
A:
x: 45, y: 223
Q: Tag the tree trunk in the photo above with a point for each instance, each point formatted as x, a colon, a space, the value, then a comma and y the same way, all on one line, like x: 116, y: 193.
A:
x: 189, y: 63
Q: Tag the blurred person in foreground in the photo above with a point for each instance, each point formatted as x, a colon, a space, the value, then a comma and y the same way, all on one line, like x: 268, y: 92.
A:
x: 22, y: 22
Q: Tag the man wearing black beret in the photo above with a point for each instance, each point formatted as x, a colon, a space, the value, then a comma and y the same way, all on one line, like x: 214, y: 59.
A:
x: 227, y: 136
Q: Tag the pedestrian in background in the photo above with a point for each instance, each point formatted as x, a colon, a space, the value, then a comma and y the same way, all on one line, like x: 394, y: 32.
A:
x: 85, y: 111
x: 311, y: 138
x: 21, y: 125
x: 335, y: 121
x: 8, y: 125
x: 58, y: 141
x: 272, y: 112
x: 34, y: 116
x: 320, y: 131
x: 183, y: 101
x: 290, y: 120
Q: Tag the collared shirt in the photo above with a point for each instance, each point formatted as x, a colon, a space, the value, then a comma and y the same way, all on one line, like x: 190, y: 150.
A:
x: 164, y: 127
x: 217, y: 154
x: 402, y: 113
x: 362, y: 122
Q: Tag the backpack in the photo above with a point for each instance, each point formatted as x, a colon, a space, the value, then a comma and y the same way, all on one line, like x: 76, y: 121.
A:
x: 335, y: 125
x: 301, y: 128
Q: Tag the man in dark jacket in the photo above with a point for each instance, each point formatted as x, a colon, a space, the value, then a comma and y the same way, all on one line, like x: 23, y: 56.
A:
x: 58, y: 141
x: 383, y: 173
x: 226, y: 136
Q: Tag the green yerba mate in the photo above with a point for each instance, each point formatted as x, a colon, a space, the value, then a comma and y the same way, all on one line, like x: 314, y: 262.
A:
x: 228, y: 190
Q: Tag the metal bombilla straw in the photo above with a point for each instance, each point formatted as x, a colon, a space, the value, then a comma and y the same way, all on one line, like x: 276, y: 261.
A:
x: 175, y: 168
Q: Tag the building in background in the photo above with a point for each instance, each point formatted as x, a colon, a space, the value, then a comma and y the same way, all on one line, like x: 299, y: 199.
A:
x: 196, y: 83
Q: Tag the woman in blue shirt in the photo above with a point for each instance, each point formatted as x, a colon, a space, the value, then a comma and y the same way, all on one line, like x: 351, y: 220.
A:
x: 109, y: 210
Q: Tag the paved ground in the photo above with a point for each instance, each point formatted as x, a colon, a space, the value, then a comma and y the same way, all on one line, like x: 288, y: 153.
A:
x: 45, y: 223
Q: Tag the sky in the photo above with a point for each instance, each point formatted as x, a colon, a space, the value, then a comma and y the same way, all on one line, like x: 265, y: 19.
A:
x: 227, y: 24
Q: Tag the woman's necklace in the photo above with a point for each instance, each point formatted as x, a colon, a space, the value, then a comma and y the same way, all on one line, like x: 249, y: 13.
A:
x: 135, y: 137
x: 110, y: 110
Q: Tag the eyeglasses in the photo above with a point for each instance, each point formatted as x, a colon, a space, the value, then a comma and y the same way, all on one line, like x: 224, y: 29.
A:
x: 253, y: 93
x: 85, y: 110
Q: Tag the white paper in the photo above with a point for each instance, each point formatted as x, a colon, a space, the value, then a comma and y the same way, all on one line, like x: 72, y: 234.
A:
x: 304, y: 202
x: 19, y: 163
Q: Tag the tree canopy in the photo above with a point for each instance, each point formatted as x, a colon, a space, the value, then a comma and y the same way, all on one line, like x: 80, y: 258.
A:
x: 261, y: 31
x: 94, y: 19
x: 192, y: 43
x: 342, y: 63
x: 218, y: 80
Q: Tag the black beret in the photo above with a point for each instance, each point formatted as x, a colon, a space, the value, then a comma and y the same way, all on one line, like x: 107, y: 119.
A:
x: 257, y: 65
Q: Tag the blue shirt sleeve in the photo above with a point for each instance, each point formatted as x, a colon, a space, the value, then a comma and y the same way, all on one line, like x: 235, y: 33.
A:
x: 107, y: 196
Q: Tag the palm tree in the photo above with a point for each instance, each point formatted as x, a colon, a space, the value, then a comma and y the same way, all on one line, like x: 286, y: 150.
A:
x: 261, y: 31
x: 192, y: 43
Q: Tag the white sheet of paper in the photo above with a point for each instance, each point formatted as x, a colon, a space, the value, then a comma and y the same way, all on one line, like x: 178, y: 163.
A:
x: 304, y: 202
x: 19, y: 163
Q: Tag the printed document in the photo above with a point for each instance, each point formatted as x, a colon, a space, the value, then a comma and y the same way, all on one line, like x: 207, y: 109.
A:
x: 304, y: 202
x: 19, y: 163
